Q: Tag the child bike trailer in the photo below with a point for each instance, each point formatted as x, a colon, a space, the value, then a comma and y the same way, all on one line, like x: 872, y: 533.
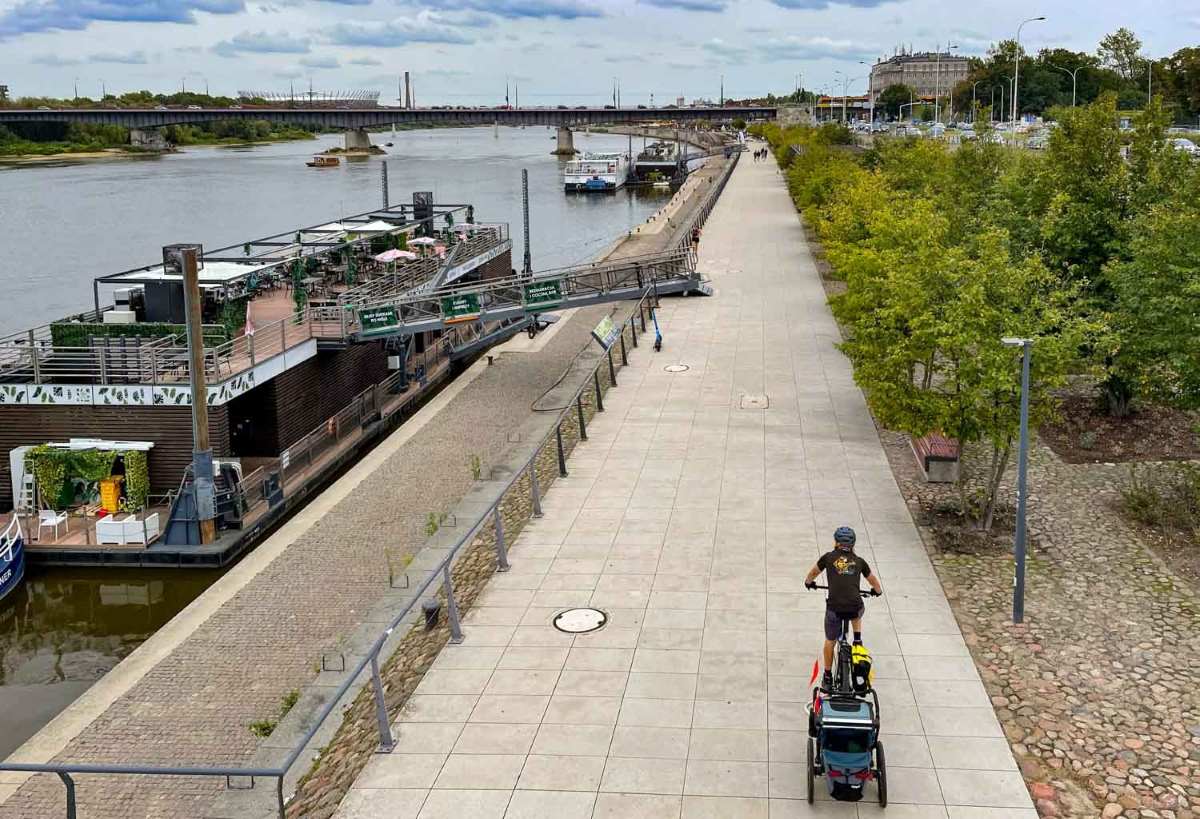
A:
x: 846, y: 749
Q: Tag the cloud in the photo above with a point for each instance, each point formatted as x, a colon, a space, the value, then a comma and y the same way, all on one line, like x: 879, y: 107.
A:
x: 262, y: 42
x: 75, y: 15
x: 817, y: 5
x: 132, y: 58
x: 53, y: 60
x: 527, y: 9
x: 726, y: 52
x: 426, y: 27
x: 785, y: 49
x: 319, y: 62
x: 690, y: 5
x: 363, y: 61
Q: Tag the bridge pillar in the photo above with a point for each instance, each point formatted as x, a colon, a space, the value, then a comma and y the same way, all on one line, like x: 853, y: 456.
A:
x: 357, y: 139
x: 148, y: 138
x: 566, y: 142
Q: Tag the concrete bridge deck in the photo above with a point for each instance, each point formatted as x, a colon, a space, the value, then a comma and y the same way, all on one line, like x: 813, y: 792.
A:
x: 691, y: 515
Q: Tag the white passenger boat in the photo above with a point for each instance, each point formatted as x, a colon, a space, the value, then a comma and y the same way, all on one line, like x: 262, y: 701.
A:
x: 12, y: 557
x: 596, y: 172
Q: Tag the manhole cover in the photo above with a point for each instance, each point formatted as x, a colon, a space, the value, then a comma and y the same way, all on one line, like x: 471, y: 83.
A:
x: 676, y: 368
x: 755, y: 402
x: 580, y: 621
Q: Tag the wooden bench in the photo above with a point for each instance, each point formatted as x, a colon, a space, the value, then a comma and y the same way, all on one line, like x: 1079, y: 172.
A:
x: 937, y: 456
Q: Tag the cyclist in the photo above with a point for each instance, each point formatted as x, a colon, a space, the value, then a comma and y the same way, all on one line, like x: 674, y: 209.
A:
x: 843, y: 570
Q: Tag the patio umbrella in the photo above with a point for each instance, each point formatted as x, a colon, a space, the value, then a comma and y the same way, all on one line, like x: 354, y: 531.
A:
x: 422, y: 240
x: 392, y: 255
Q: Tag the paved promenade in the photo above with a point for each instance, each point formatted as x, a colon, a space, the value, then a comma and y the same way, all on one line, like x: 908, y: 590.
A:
x: 691, y: 516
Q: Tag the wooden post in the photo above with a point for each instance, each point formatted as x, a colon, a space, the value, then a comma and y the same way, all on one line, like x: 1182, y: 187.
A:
x: 202, y: 465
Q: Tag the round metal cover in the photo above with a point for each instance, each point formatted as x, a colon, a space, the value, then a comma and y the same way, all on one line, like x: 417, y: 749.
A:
x: 676, y: 368
x: 580, y: 621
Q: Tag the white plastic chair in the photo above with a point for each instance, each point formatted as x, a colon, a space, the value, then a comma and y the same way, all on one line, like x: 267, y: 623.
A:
x: 50, y: 519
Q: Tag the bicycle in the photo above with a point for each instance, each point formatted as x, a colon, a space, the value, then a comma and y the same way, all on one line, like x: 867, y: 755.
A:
x: 843, y: 730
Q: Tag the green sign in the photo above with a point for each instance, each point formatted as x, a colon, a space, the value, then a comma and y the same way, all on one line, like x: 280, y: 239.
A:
x: 378, y: 319
x: 606, y: 332
x: 540, y: 295
x: 463, y: 307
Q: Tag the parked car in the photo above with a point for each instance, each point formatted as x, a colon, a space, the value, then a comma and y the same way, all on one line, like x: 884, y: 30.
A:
x: 1037, y: 142
x: 995, y: 138
x: 967, y: 136
x: 1185, y: 145
x: 194, y: 108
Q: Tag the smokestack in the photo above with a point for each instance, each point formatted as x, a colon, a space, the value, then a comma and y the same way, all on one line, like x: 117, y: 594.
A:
x: 407, y: 91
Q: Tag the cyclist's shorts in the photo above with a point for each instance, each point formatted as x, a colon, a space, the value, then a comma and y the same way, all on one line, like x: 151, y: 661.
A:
x: 833, y: 621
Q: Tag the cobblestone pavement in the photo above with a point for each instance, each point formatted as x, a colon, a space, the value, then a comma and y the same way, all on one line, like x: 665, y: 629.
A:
x: 1097, y: 691
x: 690, y: 516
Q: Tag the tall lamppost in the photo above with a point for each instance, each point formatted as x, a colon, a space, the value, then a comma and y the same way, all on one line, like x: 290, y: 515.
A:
x: 973, y: 85
x: 937, y: 79
x: 1003, y: 110
x: 1073, y: 74
x: 1026, y: 345
x: 1017, y: 71
x: 1149, y: 80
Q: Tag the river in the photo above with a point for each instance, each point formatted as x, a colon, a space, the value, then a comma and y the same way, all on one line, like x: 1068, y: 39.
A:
x: 65, y: 224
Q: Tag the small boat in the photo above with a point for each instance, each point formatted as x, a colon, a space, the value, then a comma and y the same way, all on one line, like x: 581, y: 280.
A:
x: 388, y: 144
x: 596, y: 172
x: 12, y: 558
x: 323, y: 161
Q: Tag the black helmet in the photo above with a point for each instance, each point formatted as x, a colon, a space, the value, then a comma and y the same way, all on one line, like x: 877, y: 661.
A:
x: 844, y: 536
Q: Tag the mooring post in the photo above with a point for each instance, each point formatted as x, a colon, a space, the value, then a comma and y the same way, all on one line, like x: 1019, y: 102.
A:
x: 381, y: 715
x: 501, y: 547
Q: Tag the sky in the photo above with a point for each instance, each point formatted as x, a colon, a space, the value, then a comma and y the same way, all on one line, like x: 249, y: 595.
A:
x: 462, y: 52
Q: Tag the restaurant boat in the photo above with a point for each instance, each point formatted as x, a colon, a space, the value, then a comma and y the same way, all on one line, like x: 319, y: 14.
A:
x: 596, y: 172
x: 306, y: 365
x: 12, y: 558
x: 323, y: 161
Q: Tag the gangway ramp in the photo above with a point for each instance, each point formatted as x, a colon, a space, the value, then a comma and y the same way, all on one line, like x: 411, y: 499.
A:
x: 512, y: 299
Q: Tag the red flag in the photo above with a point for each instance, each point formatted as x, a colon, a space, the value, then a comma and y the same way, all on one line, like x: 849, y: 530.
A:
x: 816, y: 671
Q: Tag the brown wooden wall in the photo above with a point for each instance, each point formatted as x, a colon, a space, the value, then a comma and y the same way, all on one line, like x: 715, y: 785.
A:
x: 169, y: 428
x: 297, y: 401
x: 497, y: 268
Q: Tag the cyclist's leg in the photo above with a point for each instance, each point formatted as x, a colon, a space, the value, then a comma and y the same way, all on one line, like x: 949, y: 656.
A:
x: 833, y: 629
x: 857, y: 623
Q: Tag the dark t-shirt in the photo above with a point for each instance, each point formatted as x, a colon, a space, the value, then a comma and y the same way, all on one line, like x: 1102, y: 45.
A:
x: 842, y: 572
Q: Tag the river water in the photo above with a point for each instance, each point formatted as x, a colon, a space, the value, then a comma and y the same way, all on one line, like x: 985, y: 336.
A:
x: 63, y: 225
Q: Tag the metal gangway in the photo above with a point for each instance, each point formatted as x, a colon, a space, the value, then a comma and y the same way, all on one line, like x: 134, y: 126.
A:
x: 515, y: 301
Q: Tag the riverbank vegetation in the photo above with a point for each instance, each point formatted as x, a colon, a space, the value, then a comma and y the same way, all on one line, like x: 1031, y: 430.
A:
x: 1090, y: 248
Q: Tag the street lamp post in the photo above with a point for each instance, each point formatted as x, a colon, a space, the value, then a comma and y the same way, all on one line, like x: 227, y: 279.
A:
x: 1017, y: 71
x: 1026, y: 345
x: 1003, y: 110
x: 1073, y: 74
x: 1149, y: 81
x: 973, y: 85
x: 937, y: 79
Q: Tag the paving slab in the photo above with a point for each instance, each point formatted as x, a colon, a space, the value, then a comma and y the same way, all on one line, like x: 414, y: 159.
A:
x: 691, y: 515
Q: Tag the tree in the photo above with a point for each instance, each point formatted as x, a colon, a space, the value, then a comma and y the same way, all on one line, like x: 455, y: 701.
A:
x: 1157, y: 287
x: 892, y: 97
x: 1120, y: 51
x: 1182, y: 71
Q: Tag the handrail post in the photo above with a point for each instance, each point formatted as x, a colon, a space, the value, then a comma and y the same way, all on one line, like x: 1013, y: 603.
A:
x: 70, y: 786
x: 562, y: 458
x: 612, y: 372
x: 33, y: 357
x: 633, y: 330
x: 250, y: 347
x: 386, y: 743
x: 501, y: 546
x: 599, y: 394
x: 103, y: 364
x: 456, y: 634
x: 624, y: 352
x: 642, y: 313
x: 534, y: 490
x: 582, y: 423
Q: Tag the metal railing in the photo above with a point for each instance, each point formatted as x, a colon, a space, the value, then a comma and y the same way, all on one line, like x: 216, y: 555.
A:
x: 438, y: 580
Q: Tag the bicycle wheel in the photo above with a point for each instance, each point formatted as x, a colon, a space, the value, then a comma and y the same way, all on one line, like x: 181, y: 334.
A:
x: 811, y: 744
x: 881, y: 774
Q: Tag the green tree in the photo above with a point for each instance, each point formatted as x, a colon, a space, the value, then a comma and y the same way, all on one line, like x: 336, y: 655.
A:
x: 892, y: 97
x: 1121, y: 52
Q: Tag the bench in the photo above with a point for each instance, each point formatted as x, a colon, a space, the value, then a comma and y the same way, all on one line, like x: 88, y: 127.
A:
x: 937, y: 456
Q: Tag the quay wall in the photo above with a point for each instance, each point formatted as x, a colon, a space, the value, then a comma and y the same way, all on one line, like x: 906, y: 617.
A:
x: 169, y: 428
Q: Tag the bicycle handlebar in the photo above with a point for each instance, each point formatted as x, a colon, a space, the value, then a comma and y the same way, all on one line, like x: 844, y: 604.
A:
x: 862, y: 593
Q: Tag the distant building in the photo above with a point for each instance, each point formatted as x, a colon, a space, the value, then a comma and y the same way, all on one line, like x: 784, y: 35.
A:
x: 925, y: 73
x: 680, y: 102
x: 3, y: 93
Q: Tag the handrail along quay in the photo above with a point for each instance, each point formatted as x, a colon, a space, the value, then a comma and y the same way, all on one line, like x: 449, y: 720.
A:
x: 438, y: 578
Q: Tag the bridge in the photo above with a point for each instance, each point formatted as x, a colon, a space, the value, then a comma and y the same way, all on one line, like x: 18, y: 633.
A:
x: 356, y: 121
